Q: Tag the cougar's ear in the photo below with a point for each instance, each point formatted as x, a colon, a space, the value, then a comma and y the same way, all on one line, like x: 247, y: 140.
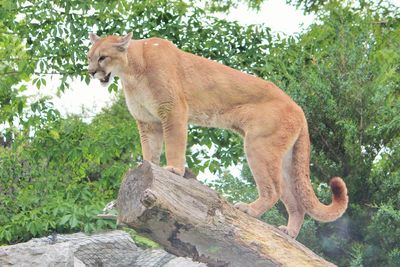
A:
x: 93, y: 37
x: 123, y: 44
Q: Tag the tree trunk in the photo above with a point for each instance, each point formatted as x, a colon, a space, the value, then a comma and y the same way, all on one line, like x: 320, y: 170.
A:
x: 189, y: 219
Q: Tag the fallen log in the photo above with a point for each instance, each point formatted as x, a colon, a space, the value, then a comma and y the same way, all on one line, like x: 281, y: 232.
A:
x: 189, y: 219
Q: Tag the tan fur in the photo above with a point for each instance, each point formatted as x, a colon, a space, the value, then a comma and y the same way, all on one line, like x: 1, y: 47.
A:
x: 166, y: 89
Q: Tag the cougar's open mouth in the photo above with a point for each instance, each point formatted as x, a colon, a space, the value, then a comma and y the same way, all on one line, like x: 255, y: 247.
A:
x: 106, y: 78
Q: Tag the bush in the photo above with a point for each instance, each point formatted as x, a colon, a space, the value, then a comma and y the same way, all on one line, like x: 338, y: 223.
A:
x: 59, y: 179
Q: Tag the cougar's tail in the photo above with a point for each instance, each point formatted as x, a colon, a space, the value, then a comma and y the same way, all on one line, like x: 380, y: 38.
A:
x: 304, y: 190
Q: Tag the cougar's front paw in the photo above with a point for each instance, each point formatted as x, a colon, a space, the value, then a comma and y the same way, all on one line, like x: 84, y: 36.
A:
x: 178, y: 171
x: 246, y: 208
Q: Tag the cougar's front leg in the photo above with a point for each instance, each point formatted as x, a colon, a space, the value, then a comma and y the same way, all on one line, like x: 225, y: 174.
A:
x: 151, y: 139
x: 174, y: 119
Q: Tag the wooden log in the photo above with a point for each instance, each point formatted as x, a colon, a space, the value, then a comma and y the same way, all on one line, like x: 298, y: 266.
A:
x: 189, y: 219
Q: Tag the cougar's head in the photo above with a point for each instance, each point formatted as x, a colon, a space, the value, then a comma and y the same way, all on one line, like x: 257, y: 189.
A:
x: 107, y: 56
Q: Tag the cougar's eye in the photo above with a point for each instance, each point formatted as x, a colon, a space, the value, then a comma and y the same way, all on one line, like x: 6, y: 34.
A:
x: 101, y: 58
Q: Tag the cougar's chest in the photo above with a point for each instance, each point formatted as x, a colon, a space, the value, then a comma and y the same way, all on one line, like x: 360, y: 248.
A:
x: 140, y: 102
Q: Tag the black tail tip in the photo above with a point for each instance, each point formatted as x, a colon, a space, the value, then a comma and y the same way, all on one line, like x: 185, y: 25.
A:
x: 338, y: 187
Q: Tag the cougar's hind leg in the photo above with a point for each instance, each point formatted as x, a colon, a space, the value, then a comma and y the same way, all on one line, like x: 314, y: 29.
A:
x: 296, y: 214
x: 264, y: 156
x: 294, y: 208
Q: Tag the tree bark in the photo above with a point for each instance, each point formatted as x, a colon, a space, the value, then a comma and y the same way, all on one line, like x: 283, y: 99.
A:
x: 189, y: 219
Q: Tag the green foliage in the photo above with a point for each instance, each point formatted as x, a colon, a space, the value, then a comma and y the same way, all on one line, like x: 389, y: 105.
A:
x: 383, y: 237
x: 11, y: 102
x: 319, y: 6
x: 60, y: 179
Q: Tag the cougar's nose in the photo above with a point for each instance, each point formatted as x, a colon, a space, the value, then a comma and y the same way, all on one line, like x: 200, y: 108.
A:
x: 92, y: 73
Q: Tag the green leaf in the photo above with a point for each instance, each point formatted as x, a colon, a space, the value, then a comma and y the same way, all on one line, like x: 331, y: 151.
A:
x: 66, y: 218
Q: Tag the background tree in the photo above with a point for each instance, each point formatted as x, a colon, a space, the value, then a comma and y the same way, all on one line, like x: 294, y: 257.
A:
x: 57, y: 172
